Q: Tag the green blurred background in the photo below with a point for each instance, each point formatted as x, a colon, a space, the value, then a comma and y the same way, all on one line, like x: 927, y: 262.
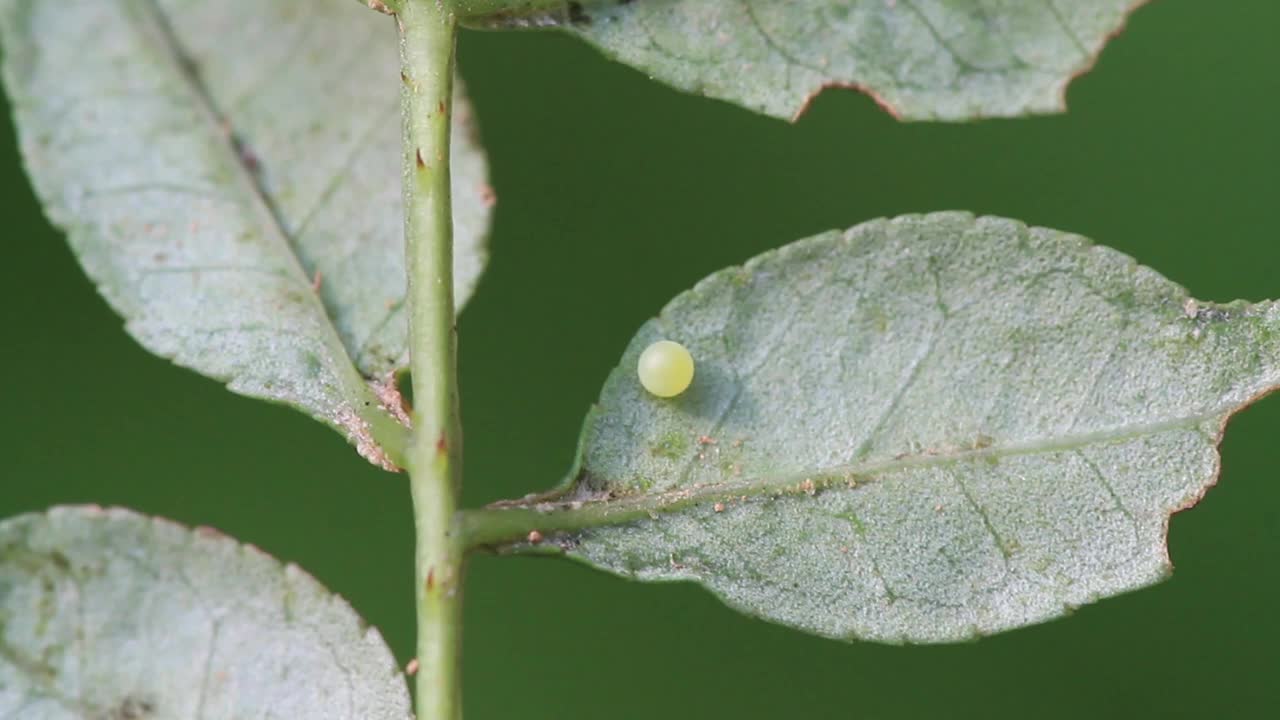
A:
x: 615, y: 193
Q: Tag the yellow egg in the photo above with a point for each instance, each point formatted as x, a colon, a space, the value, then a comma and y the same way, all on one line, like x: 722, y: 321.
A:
x: 665, y: 368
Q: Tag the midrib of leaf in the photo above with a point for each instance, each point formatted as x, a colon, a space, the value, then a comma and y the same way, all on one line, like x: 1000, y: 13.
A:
x: 154, y: 24
x: 561, y: 511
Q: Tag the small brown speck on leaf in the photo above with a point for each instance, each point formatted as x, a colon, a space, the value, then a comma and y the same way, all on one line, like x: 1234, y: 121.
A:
x: 718, y: 507
x: 412, y: 668
x: 534, y: 537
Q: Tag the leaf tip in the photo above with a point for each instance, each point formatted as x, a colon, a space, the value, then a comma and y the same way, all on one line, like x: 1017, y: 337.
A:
x: 1091, y: 58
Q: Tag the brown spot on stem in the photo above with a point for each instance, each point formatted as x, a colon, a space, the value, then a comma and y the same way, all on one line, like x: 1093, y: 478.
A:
x: 442, y: 444
x: 422, y: 164
x: 431, y: 579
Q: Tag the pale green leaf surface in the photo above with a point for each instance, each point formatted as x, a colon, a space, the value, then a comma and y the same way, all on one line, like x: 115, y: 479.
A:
x: 919, y: 59
x: 919, y: 430
x: 213, y: 161
x: 108, y: 614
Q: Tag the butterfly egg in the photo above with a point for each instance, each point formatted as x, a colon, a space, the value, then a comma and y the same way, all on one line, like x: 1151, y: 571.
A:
x: 665, y: 368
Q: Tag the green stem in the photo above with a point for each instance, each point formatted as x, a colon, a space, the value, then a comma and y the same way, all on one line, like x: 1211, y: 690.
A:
x: 427, y: 36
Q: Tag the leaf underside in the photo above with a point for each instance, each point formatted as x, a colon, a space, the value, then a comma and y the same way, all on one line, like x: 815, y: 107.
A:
x: 919, y: 59
x: 229, y: 175
x: 108, y: 614
x: 924, y: 429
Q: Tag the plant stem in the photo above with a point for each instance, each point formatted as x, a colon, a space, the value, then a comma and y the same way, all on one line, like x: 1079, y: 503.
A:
x: 427, y: 35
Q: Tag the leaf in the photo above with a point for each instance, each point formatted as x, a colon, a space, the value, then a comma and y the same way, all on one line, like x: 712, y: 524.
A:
x: 108, y: 614
x: 212, y: 162
x: 920, y: 430
x: 918, y: 59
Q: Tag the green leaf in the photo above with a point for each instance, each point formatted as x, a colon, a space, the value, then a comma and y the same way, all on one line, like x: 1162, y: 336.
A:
x: 214, y: 162
x: 920, y: 430
x: 919, y: 59
x: 108, y: 614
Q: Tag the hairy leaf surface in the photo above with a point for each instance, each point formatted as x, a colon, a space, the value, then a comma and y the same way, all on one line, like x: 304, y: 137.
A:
x: 108, y: 614
x: 919, y: 59
x: 229, y: 175
x: 919, y: 430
